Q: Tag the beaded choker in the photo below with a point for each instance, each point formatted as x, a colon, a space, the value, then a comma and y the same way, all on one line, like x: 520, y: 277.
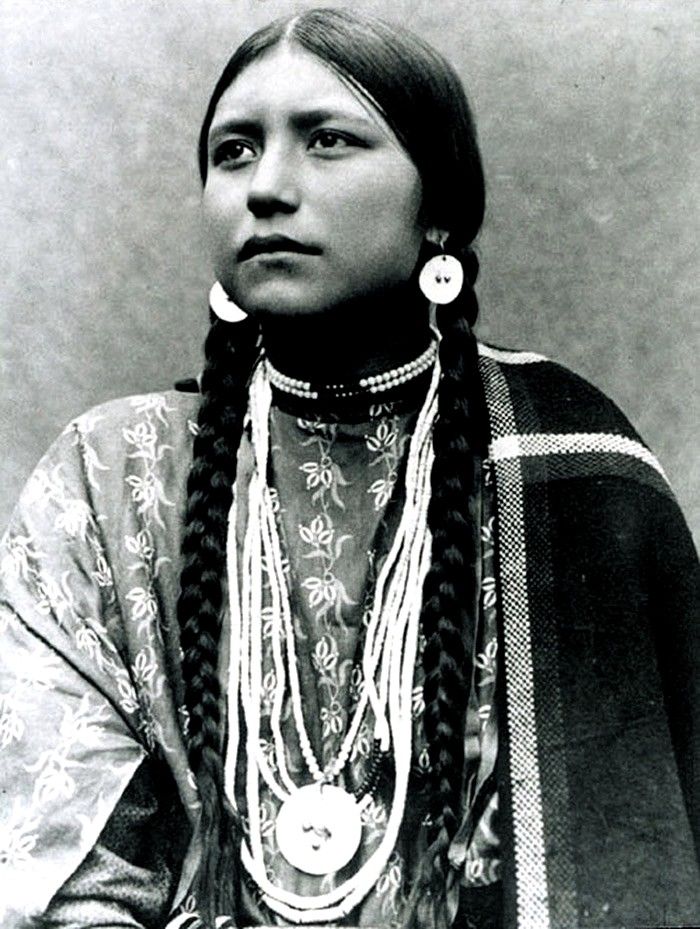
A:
x: 372, y: 384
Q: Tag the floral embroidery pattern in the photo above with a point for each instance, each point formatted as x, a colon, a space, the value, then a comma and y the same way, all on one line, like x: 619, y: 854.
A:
x: 323, y: 475
x: 18, y: 837
x: 332, y: 678
x: 23, y: 561
x: 146, y: 451
x: 389, y: 886
x: 61, y: 565
x: 387, y: 446
x: 54, y: 766
x: 147, y: 488
x: 94, y: 560
x: 326, y: 591
x: 348, y: 476
x: 33, y: 672
x: 84, y: 426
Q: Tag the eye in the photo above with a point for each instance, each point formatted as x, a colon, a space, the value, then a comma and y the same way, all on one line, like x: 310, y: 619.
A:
x: 233, y: 152
x: 328, y: 139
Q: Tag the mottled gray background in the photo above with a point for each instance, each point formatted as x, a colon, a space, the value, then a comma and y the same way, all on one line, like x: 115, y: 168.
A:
x: 588, y: 118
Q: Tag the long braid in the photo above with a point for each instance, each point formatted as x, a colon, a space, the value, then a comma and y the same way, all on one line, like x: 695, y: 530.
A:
x: 449, y: 592
x: 422, y: 99
x: 229, y: 351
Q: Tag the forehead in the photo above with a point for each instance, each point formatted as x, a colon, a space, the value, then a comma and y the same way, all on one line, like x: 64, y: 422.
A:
x: 288, y: 79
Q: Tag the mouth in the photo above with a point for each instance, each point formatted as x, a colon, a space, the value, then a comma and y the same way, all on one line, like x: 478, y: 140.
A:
x: 269, y: 244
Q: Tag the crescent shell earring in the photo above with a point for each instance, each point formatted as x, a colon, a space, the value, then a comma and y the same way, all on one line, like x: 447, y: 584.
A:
x: 442, y: 277
x: 223, y: 306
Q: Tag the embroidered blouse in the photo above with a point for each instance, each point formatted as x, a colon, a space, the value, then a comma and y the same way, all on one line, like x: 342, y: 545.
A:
x: 88, y: 552
x: 339, y: 492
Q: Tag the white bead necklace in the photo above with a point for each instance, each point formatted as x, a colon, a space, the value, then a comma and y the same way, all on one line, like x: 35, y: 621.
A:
x: 319, y: 824
x: 373, y: 383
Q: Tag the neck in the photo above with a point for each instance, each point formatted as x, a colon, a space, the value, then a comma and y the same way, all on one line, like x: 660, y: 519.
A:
x: 350, y: 341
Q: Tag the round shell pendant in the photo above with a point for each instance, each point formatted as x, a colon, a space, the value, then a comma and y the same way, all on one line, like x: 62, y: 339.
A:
x: 441, y: 278
x: 223, y: 306
x: 319, y: 828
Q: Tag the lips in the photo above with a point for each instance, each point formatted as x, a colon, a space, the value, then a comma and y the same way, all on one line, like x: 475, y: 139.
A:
x: 259, y: 245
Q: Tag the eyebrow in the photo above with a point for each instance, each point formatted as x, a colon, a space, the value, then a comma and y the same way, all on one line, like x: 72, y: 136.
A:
x: 303, y: 119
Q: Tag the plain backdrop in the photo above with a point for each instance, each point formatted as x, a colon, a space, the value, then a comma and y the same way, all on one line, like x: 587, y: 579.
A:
x: 588, y: 118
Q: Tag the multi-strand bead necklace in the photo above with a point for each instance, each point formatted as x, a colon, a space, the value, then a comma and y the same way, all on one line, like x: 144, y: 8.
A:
x: 319, y: 825
x: 371, y: 384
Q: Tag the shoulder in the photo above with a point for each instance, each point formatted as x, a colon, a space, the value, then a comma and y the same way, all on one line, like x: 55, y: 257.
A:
x: 166, y: 411
x: 142, y: 441
x: 558, y: 424
x: 545, y: 394
x: 145, y: 438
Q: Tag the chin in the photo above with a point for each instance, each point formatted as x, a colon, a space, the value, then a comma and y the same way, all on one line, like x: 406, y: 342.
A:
x: 283, y: 300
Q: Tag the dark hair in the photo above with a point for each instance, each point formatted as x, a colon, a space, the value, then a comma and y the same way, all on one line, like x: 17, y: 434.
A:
x: 422, y: 99
x: 416, y: 90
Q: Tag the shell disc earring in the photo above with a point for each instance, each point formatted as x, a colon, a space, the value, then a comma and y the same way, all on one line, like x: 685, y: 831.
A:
x: 441, y: 278
x: 223, y: 306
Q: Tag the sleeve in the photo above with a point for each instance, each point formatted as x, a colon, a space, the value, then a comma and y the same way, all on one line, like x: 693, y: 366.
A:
x: 69, y: 718
x: 674, y: 599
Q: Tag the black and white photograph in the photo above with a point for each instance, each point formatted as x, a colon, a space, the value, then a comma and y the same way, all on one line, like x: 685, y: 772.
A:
x: 351, y: 487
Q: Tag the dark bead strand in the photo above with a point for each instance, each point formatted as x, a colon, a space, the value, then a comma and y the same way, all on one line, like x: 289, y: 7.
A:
x: 371, y: 778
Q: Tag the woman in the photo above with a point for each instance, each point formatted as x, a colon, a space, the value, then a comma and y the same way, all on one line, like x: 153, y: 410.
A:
x: 359, y: 636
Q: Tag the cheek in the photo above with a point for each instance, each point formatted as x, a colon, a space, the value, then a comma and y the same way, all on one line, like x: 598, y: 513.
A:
x: 381, y: 207
x: 222, y: 213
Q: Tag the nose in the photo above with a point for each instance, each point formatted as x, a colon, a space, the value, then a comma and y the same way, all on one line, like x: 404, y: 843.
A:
x: 274, y: 184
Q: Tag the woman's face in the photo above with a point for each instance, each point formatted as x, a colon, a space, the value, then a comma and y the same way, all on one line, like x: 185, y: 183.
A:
x: 295, y: 155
